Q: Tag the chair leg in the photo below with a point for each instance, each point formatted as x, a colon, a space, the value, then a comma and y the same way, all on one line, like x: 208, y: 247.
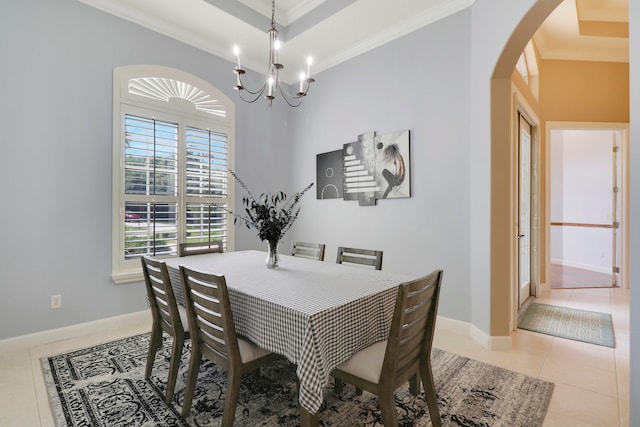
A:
x: 337, y: 385
x: 414, y: 384
x: 174, y: 365
x: 388, y: 409
x: 231, y: 399
x: 154, y: 344
x: 192, y: 377
x: 430, y: 393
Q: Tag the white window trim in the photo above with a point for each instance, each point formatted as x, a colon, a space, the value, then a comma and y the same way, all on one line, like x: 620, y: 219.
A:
x: 187, y: 112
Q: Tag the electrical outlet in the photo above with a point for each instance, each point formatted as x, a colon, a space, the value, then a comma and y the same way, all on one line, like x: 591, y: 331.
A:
x: 56, y: 301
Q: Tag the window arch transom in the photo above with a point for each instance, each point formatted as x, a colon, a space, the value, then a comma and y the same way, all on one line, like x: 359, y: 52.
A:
x: 164, y: 89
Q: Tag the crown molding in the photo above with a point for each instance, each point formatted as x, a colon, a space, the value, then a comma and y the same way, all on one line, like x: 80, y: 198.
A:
x: 221, y: 48
x: 284, y: 17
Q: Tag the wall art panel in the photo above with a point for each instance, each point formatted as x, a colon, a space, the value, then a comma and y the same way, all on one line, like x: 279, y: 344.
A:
x: 371, y: 168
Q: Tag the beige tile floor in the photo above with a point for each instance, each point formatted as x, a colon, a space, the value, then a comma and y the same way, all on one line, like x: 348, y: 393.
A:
x: 591, y: 382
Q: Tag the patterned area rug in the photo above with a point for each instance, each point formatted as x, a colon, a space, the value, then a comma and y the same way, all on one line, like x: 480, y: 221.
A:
x: 578, y: 325
x: 105, y: 386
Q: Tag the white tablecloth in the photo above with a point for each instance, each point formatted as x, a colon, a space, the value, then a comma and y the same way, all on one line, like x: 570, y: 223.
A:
x: 317, y: 314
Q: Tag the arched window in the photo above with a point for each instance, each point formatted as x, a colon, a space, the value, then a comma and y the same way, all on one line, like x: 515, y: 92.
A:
x: 521, y: 66
x: 527, y: 66
x: 172, y: 145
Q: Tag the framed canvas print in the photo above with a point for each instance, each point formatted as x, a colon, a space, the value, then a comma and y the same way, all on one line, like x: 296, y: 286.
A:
x: 351, y: 167
x: 329, y: 175
x: 392, y: 165
x: 367, y: 188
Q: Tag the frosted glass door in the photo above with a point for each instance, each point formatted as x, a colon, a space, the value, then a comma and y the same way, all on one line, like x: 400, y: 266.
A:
x: 524, y: 212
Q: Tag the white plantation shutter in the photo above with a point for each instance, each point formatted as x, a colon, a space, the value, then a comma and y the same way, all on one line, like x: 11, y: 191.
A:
x: 170, y: 165
x: 154, y: 194
x: 206, y: 185
x: 206, y: 222
x: 153, y: 230
x: 150, y: 187
x: 206, y: 166
x: 151, y: 157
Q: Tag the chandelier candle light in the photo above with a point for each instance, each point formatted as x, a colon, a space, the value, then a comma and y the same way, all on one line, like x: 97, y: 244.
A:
x: 272, y: 83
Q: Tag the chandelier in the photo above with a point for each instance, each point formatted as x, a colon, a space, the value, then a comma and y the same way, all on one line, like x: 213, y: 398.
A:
x: 272, y: 84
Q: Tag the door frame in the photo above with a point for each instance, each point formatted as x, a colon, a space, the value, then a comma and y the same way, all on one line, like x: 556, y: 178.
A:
x: 623, y: 128
x: 521, y: 106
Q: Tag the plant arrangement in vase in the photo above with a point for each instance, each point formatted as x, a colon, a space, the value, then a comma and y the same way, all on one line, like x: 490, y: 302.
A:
x: 272, y: 215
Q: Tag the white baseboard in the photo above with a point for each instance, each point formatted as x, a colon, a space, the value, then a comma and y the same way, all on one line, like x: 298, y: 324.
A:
x: 453, y: 325
x: 74, y: 331
x: 490, y: 342
x: 475, y: 333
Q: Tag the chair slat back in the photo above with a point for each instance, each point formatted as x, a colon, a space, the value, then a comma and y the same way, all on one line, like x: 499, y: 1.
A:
x: 162, y: 300
x: 197, y: 248
x: 210, y: 318
x: 412, y: 327
x: 308, y: 250
x: 366, y: 257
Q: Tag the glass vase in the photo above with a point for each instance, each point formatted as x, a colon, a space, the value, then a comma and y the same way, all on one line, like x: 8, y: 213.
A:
x: 273, y: 259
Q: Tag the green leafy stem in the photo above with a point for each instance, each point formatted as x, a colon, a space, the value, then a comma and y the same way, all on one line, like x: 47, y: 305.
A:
x: 272, y: 215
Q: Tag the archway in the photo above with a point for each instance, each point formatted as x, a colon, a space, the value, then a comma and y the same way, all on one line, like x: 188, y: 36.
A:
x: 503, y: 246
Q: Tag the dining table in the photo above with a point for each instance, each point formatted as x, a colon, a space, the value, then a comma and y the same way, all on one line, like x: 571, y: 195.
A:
x: 317, y: 314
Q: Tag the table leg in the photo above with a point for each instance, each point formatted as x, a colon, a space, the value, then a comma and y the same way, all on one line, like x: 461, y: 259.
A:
x: 308, y: 419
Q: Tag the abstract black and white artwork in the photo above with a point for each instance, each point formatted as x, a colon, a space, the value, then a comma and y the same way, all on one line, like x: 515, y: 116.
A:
x: 371, y: 168
x: 351, y: 166
x: 329, y: 175
x: 359, y: 170
x: 392, y: 165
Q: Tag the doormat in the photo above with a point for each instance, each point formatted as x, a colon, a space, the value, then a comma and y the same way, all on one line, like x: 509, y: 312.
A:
x: 578, y: 325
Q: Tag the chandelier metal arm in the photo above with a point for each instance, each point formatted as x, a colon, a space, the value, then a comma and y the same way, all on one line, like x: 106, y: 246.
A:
x: 251, y: 100
x: 298, y: 96
x: 242, y: 88
x: 286, y: 96
x: 273, y: 83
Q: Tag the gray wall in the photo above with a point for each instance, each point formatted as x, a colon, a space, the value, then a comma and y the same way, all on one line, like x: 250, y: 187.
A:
x: 414, y: 83
x: 57, y: 59
x: 492, y: 23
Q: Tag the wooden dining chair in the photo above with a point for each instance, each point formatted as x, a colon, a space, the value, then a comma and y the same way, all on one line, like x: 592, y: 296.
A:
x: 214, y: 336
x: 366, y: 257
x: 197, y: 248
x: 167, y: 316
x: 383, y: 367
x: 308, y: 250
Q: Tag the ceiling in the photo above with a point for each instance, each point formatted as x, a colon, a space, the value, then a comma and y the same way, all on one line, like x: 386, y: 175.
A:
x: 333, y: 31
x: 586, y: 30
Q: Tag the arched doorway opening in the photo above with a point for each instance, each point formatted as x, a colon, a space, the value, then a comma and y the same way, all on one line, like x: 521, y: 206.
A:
x: 503, y: 204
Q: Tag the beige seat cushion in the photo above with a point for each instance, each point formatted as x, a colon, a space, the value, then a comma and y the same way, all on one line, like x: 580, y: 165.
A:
x: 249, y: 351
x: 367, y: 363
